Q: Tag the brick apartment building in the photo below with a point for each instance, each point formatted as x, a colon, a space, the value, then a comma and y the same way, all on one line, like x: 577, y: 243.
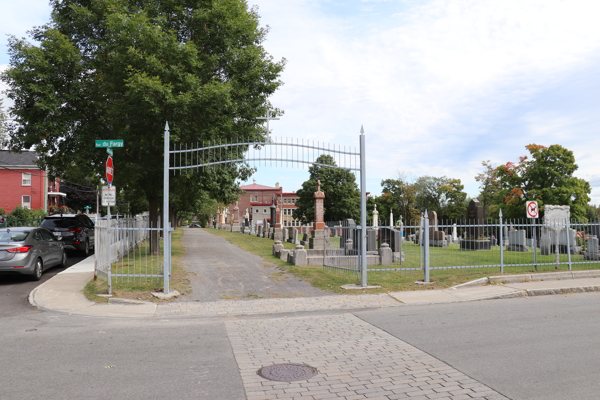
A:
x: 259, y: 199
x: 23, y: 183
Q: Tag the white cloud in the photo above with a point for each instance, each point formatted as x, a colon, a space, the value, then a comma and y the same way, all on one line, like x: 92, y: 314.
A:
x: 429, y: 82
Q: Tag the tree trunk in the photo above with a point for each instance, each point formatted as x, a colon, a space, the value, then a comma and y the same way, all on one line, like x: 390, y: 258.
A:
x: 154, y: 235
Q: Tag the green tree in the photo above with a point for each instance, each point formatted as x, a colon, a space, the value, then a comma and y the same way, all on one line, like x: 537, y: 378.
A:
x: 490, y: 188
x: 547, y: 178
x: 342, y: 196
x: 443, y: 195
x: 118, y: 69
x: 2, y: 124
x: 400, y: 197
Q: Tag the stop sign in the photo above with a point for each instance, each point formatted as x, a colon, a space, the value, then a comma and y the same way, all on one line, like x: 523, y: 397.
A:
x: 109, y: 170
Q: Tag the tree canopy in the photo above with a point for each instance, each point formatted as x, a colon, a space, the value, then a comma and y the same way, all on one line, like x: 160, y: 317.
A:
x: 118, y: 69
x: 342, y: 196
x: 545, y: 176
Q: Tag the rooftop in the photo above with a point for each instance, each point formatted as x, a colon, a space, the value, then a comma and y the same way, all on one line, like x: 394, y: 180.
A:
x: 26, y: 158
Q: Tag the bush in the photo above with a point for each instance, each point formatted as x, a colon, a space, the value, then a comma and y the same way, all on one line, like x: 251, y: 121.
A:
x: 21, y: 216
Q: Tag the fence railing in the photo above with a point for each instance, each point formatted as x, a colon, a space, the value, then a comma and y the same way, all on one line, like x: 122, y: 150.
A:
x: 124, y: 252
x: 469, y: 246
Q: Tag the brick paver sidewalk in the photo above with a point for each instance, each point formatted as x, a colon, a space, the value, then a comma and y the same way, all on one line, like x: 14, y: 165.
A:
x: 355, y: 360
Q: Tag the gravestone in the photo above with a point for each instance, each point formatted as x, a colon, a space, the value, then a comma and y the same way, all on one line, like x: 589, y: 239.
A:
x: 545, y: 243
x: 475, y: 217
x: 391, y: 237
x: 295, y: 239
x: 592, y: 253
x: 260, y: 231
x: 454, y: 235
x: 318, y: 240
x: 517, y: 240
x: 348, y: 231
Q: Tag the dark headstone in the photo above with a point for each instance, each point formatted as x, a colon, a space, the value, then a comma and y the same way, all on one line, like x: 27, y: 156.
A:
x: 391, y: 237
x: 348, y: 231
x: 475, y: 217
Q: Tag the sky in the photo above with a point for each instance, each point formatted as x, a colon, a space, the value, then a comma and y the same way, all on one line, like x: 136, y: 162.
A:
x: 439, y: 86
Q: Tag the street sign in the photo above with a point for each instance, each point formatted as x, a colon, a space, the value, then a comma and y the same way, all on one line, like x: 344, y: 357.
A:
x: 109, y: 173
x: 109, y: 196
x: 532, y: 209
x: 109, y: 143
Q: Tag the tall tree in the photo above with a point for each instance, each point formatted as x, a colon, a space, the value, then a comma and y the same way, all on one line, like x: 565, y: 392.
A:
x: 547, y: 178
x: 400, y: 197
x: 443, y: 195
x: 2, y: 122
x: 342, y: 196
x: 118, y: 69
x: 490, y: 187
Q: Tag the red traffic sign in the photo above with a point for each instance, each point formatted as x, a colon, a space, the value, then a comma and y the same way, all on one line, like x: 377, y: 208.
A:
x: 532, y: 209
x: 110, y: 170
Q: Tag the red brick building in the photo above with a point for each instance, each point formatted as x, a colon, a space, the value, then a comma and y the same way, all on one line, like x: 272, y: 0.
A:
x: 259, y: 199
x: 23, y: 183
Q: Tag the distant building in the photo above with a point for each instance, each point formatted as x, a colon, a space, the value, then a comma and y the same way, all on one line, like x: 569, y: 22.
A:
x: 23, y: 183
x: 260, y: 200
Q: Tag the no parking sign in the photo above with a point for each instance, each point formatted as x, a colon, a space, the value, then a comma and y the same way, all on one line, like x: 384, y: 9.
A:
x: 532, y: 209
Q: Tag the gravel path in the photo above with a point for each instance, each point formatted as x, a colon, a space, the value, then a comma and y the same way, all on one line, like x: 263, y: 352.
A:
x: 220, y: 270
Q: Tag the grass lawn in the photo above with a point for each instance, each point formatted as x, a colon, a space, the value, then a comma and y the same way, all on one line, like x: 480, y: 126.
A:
x: 140, y: 261
x: 331, y: 280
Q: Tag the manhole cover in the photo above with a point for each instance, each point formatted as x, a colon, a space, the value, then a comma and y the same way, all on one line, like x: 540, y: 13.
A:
x: 287, y: 372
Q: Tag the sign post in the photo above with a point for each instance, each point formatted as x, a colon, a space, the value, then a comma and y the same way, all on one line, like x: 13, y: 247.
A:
x: 109, y: 168
x: 532, y: 211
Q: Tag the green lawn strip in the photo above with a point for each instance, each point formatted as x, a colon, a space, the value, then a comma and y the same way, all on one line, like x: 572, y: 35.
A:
x: 140, y: 261
x: 331, y: 280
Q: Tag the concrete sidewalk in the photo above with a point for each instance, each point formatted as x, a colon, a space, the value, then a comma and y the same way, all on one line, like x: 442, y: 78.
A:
x: 64, y: 293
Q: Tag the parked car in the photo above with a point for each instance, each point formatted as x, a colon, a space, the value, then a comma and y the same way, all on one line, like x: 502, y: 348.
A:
x: 194, y: 225
x: 30, y: 251
x: 76, y: 231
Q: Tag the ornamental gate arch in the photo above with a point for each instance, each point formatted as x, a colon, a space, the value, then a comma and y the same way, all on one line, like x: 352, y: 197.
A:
x: 289, y: 151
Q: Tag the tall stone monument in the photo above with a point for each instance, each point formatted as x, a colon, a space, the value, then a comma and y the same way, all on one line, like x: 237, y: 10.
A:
x: 235, y: 224
x: 318, y: 240
x: 475, y: 217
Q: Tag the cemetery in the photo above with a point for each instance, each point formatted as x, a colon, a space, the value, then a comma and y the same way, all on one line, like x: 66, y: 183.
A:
x: 472, y: 245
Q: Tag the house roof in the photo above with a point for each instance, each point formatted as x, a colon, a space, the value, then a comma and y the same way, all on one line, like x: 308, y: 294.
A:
x: 256, y: 186
x: 26, y: 158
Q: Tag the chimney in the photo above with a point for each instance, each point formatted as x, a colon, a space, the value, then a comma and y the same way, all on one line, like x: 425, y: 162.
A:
x: 276, y: 185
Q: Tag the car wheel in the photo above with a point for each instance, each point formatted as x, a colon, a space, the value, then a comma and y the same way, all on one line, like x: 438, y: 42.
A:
x: 86, y: 249
x: 38, y: 270
x: 63, y: 259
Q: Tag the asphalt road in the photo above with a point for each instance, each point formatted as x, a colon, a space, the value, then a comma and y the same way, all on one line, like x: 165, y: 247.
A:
x: 545, y: 347
x: 528, y: 348
x: 15, y: 289
x: 223, y: 271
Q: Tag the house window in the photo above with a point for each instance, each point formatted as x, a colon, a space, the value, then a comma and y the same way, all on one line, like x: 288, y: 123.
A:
x: 254, y: 211
x: 25, y: 179
x: 265, y: 211
x: 26, y: 202
x: 254, y: 199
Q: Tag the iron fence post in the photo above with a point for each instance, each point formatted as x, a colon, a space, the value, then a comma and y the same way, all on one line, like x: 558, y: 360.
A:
x: 364, y: 279
x: 166, y: 244
x: 569, y: 243
x: 426, y: 245
x: 501, y: 244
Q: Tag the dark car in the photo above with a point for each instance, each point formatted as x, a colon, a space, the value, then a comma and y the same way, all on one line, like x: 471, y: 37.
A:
x: 76, y: 231
x: 195, y: 225
x: 29, y: 251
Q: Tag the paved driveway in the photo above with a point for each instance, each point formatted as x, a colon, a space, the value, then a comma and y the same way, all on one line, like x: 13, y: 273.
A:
x: 220, y: 270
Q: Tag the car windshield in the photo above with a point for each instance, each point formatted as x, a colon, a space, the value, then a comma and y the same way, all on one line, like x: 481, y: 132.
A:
x: 13, y: 236
x: 50, y: 223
